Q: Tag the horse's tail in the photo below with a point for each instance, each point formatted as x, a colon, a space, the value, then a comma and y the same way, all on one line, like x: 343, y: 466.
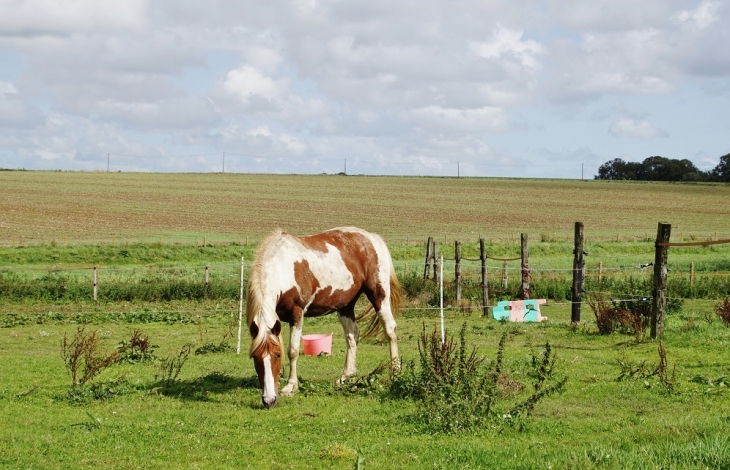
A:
x: 374, y: 326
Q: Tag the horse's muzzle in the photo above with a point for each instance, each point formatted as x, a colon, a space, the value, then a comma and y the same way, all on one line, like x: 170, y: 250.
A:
x: 269, y: 402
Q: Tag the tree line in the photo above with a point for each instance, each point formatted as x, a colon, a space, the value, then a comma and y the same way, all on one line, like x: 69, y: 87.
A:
x: 663, y: 169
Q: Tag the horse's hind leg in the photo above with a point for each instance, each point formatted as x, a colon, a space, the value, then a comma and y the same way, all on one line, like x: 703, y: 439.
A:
x: 380, y: 299
x: 352, y: 337
x: 386, y: 319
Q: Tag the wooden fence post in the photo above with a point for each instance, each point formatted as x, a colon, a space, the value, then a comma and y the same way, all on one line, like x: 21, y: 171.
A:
x: 485, y: 284
x: 427, y: 266
x: 525, y: 252
x: 692, y: 274
x: 659, y: 284
x: 504, y: 274
x: 578, y: 274
x: 96, y: 281
x: 600, y: 272
x: 207, y: 274
x: 457, y: 270
x: 436, y: 261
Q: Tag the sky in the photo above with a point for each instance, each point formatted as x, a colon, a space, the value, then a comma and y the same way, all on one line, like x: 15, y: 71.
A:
x: 547, y: 89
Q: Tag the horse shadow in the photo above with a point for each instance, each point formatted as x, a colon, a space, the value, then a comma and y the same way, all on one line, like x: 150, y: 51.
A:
x: 203, y: 388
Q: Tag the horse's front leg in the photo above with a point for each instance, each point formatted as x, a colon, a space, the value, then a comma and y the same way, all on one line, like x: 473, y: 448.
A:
x: 295, y: 337
x: 352, y: 336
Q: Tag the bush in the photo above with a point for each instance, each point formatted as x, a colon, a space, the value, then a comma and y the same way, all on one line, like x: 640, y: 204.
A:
x: 456, y: 392
x: 624, y: 316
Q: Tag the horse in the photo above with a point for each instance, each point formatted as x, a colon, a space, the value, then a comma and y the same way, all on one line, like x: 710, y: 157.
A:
x: 296, y: 277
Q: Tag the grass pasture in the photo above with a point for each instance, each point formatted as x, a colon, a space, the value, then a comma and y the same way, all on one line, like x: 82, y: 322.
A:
x: 212, y: 417
x: 146, y: 232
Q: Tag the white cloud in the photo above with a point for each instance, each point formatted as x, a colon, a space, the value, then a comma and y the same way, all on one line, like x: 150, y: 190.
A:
x: 626, y: 127
x: 486, y: 119
x: 508, y: 43
x: 247, y: 82
x: 14, y: 112
x: 701, y: 17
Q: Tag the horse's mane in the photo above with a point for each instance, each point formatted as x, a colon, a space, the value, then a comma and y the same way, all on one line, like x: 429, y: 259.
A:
x: 256, y: 310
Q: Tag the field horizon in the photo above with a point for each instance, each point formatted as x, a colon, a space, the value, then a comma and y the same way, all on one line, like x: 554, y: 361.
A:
x: 45, y: 207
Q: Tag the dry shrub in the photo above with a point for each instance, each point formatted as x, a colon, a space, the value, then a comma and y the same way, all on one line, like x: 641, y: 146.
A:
x: 629, y: 317
x: 83, y: 356
x: 723, y: 311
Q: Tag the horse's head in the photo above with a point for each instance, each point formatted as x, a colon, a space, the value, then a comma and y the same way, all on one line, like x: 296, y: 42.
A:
x: 267, y: 361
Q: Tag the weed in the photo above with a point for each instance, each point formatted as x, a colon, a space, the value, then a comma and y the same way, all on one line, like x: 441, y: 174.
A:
x: 367, y: 384
x: 107, y: 390
x: 723, y: 311
x: 137, y: 349
x: 669, y: 382
x: 629, y: 317
x: 212, y: 348
x: 640, y: 370
x: 171, y: 366
x: 455, y: 392
x: 634, y: 370
x: 546, y: 383
x: 82, y: 356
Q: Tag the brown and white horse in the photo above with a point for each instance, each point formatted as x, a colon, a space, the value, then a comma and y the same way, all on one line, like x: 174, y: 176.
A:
x: 295, y: 277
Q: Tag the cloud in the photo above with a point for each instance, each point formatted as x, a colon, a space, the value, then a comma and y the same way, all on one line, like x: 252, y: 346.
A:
x: 382, y: 81
x: 508, y: 43
x: 701, y: 17
x: 33, y: 18
x: 248, y: 83
x: 626, y: 127
x: 451, y: 120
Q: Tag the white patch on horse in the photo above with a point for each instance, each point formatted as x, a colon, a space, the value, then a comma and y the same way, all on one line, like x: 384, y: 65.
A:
x: 269, y: 389
x: 328, y: 268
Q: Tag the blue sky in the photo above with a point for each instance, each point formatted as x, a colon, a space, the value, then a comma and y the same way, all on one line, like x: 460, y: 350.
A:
x: 536, y: 89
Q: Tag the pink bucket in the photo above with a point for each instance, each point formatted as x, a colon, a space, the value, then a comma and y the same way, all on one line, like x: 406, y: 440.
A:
x: 314, y: 345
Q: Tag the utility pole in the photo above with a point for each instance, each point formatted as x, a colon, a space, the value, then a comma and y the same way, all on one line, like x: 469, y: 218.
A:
x: 107, y: 163
x: 224, y: 162
x: 458, y: 170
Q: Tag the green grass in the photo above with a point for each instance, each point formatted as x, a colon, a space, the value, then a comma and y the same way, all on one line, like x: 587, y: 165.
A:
x: 212, y: 418
x: 146, y: 233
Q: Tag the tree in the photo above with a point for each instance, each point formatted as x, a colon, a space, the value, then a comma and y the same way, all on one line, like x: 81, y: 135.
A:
x: 654, y: 168
x: 667, y: 169
x: 722, y: 171
x: 618, y: 169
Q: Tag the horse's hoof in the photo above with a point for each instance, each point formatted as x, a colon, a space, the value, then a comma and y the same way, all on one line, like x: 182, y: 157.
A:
x: 288, y: 391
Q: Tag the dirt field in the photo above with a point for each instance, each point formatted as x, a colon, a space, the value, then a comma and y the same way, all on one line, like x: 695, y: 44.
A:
x: 70, y: 207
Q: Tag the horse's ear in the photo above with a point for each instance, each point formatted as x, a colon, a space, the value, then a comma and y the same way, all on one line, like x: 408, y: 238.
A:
x: 253, y: 329
x: 276, y: 330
